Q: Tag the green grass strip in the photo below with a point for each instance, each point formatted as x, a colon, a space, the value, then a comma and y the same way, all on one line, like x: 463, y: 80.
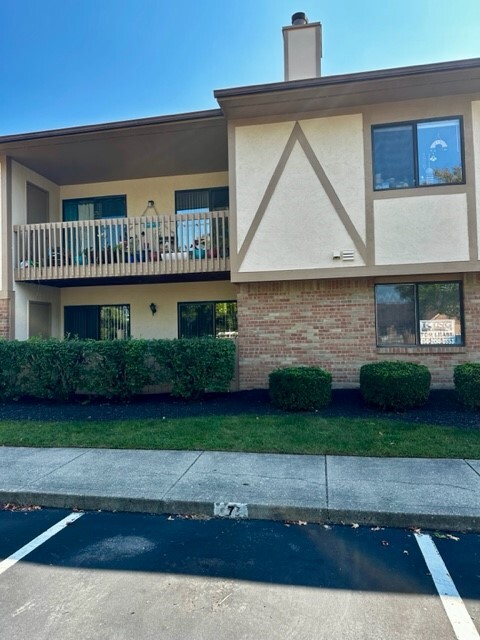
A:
x: 273, y: 434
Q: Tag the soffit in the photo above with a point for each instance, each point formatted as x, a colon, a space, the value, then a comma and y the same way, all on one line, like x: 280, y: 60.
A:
x: 165, y: 146
x: 352, y: 90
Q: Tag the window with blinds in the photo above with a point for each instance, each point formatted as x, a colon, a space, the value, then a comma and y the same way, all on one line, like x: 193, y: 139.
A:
x: 201, y: 200
x: 97, y: 322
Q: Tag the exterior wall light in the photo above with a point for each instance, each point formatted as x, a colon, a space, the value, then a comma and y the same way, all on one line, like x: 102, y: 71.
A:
x: 153, y: 308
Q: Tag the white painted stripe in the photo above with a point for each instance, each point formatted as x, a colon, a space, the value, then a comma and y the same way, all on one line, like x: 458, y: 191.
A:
x: 454, y: 607
x: 36, y: 542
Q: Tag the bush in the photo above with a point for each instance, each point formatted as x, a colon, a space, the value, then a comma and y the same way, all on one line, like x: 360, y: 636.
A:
x: 201, y: 364
x: 51, y: 368
x: 466, y: 378
x: 395, y: 385
x: 12, y: 367
x: 300, y: 388
x: 114, y: 369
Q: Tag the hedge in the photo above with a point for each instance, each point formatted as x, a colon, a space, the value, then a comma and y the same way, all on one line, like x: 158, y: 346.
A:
x: 466, y: 378
x: 117, y: 369
x: 300, y: 388
x: 395, y: 385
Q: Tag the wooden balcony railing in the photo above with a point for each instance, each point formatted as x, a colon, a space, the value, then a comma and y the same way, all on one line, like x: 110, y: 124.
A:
x: 153, y: 245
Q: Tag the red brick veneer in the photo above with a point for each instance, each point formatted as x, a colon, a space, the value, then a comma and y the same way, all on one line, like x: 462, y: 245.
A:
x: 4, y: 318
x: 331, y: 323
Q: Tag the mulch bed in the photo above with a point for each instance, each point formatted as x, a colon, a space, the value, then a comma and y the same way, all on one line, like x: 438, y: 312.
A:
x: 442, y: 408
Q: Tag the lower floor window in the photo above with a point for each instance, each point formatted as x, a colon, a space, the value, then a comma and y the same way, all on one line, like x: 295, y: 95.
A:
x: 98, y: 322
x: 202, y: 319
x: 427, y: 313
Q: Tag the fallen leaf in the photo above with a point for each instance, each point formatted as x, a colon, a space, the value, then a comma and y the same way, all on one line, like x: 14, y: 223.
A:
x: 10, y: 506
x: 355, y: 525
x: 385, y: 543
x: 377, y: 529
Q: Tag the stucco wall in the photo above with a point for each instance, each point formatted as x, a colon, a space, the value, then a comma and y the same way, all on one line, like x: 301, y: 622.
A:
x: 476, y: 147
x: 304, y: 193
x: 26, y: 293
x: 421, y: 229
x: 164, y: 324
x: 20, y: 176
x: 290, y: 178
x: 139, y: 192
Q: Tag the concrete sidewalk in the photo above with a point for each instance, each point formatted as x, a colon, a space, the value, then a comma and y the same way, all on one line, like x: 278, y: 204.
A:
x: 427, y: 493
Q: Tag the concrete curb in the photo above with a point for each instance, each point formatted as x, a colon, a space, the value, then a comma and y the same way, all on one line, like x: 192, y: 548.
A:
x: 287, y: 513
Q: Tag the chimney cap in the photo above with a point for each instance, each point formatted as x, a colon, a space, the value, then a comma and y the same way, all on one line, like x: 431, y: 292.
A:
x: 299, y: 18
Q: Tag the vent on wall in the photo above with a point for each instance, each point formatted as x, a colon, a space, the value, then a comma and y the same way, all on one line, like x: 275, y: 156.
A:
x: 348, y: 255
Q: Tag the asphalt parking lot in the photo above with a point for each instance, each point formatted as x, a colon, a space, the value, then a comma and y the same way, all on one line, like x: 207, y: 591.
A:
x: 112, y: 575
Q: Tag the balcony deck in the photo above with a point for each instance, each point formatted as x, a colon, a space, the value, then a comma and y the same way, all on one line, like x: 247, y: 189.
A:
x: 118, y: 250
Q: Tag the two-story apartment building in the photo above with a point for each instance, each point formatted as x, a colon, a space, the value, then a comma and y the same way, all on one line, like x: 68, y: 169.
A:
x: 326, y: 220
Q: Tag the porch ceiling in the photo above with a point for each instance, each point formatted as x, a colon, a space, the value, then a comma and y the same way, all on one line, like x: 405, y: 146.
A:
x: 163, y: 146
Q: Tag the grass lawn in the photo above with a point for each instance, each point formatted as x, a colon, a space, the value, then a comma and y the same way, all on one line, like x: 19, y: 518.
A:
x: 290, y: 433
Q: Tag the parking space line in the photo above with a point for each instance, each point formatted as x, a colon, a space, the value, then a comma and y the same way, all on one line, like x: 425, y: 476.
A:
x: 453, y: 604
x: 36, y: 542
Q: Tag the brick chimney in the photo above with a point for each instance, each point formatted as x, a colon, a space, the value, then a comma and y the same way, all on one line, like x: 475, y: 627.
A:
x: 302, y: 45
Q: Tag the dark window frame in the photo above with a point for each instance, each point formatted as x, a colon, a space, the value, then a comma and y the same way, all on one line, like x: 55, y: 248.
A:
x: 208, y: 190
x: 418, y: 344
x: 202, y: 302
x: 94, y: 200
x: 416, y: 173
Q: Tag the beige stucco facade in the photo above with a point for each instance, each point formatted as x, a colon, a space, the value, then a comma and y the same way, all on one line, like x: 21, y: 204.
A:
x: 476, y: 156
x: 283, y: 202
x: 161, y: 190
x: 305, y: 207
x: 426, y: 229
x: 164, y: 324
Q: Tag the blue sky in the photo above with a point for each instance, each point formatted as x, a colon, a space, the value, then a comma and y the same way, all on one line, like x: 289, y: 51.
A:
x: 72, y: 62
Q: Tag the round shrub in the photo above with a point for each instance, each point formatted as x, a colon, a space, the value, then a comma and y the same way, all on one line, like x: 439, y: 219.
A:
x: 466, y: 378
x: 300, y: 388
x: 395, y: 385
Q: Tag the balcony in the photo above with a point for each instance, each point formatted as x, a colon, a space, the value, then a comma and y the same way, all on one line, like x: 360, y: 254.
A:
x: 119, y: 250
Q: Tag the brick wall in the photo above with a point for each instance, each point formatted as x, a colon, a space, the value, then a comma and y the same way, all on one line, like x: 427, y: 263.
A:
x: 331, y: 323
x: 4, y: 318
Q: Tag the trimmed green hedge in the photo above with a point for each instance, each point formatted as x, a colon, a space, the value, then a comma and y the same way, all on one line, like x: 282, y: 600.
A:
x: 300, y: 388
x: 395, y: 385
x: 466, y: 378
x: 117, y: 369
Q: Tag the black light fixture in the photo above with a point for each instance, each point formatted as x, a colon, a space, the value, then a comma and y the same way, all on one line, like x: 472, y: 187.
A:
x: 150, y: 208
x: 153, y: 308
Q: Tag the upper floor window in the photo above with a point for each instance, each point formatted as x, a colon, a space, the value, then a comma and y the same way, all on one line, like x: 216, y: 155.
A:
x: 201, y: 234
x: 95, y: 208
x: 418, y: 154
x: 201, y: 200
